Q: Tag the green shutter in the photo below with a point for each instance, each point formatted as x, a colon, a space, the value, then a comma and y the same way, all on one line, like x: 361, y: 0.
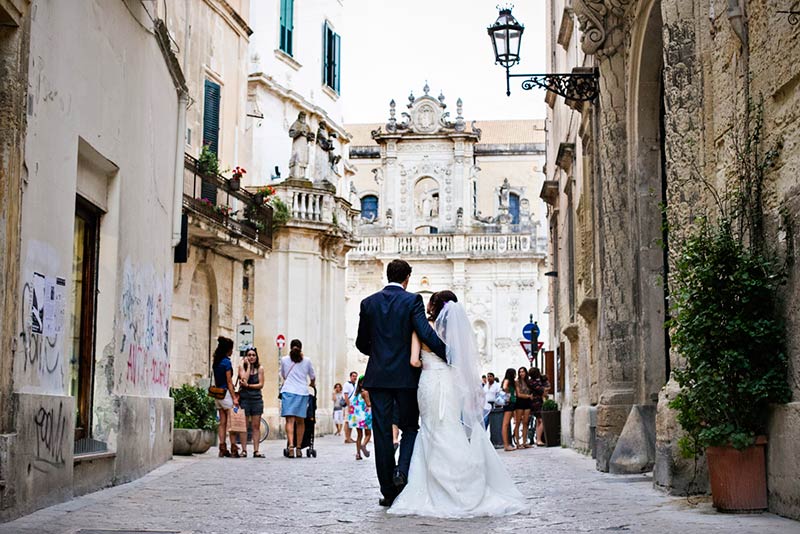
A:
x: 325, y: 57
x: 287, y: 25
x: 338, y: 60
x: 211, y: 130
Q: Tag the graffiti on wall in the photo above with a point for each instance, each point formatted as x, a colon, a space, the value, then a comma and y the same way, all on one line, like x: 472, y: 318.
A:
x: 52, y: 441
x: 145, y: 305
x: 42, y: 320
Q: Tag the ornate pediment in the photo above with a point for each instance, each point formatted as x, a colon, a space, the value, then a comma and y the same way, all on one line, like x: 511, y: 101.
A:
x: 598, y: 19
x: 426, y: 115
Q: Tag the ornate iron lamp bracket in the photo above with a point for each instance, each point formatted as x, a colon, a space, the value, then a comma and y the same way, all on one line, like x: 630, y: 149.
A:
x: 577, y: 86
x: 794, y: 16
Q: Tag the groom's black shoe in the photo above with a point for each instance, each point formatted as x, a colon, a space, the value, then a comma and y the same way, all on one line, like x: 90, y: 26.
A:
x: 399, y: 479
x: 385, y: 501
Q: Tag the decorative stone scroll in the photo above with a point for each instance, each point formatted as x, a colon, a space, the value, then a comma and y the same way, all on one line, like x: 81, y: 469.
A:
x: 597, y: 21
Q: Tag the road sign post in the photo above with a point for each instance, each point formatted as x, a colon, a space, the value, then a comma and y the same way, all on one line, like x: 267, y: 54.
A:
x: 244, y: 336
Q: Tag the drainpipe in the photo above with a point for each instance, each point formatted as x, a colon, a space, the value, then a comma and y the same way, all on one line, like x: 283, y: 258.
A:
x: 735, y: 14
x: 177, y: 199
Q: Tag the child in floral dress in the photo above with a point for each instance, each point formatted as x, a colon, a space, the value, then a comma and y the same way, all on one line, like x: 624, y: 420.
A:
x: 359, y: 416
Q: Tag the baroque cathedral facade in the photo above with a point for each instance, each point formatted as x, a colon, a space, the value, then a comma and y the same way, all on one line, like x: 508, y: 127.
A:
x: 458, y: 201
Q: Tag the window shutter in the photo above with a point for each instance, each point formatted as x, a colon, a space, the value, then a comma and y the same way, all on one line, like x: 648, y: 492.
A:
x: 325, y: 53
x: 337, y: 41
x: 211, y: 130
x: 211, y: 116
x: 287, y: 25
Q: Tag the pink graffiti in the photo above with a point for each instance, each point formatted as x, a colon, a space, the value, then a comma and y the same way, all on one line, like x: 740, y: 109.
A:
x: 145, y: 367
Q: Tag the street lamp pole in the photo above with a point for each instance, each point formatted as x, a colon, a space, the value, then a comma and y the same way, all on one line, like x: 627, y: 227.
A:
x: 506, y: 34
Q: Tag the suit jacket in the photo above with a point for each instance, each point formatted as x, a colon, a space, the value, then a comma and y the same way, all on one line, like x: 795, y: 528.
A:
x: 387, y: 320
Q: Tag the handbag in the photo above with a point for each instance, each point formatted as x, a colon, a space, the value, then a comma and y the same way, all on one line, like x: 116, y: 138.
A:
x: 501, y: 398
x: 217, y: 393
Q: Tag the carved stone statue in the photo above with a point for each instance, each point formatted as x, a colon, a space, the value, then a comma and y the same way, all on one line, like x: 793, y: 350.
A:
x: 460, y: 218
x: 505, y: 189
x: 389, y: 218
x: 301, y: 135
x: 378, y: 175
x: 325, y: 159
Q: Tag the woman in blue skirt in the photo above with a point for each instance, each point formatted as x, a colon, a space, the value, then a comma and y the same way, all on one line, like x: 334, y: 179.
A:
x: 297, y: 373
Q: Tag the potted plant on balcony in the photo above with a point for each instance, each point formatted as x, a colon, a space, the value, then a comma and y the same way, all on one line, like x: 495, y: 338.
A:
x: 551, y: 423
x: 235, y: 181
x: 195, y: 424
x: 207, y: 163
x: 264, y: 194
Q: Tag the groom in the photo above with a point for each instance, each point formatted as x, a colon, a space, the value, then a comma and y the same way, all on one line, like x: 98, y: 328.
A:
x: 387, y: 320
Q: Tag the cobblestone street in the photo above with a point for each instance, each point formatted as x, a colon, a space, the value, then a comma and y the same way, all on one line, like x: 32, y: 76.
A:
x: 334, y: 493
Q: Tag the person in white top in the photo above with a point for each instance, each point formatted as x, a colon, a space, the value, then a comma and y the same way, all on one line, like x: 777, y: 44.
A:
x: 297, y: 373
x: 349, y: 390
x: 490, y: 389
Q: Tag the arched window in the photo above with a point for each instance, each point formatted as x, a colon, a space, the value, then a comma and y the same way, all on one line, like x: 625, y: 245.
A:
x: 369, y: 207
x: 513, y: 207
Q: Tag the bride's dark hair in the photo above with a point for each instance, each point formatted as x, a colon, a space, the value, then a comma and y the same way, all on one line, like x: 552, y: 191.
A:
x: 437, y: 302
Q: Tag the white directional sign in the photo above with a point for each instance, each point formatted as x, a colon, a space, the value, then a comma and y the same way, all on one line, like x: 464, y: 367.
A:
x: 244, y: 336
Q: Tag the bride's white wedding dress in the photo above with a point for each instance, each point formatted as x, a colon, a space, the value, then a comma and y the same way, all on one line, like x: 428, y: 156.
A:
x: 451, y: 475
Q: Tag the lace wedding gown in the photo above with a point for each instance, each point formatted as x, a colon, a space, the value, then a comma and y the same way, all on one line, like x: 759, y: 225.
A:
x: 450, y: 475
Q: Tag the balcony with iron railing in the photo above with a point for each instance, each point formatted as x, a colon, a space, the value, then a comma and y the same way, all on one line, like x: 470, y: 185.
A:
x: 223, y: 216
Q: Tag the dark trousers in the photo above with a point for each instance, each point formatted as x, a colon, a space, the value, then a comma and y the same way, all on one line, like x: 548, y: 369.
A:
x: 383, y: 401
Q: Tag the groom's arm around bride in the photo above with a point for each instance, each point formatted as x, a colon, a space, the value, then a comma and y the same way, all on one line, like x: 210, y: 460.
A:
x: 387, y: 320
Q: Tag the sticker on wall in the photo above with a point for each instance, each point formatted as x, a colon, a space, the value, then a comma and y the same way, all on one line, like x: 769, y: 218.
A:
x: 37, y: 304
x: 54, y: 306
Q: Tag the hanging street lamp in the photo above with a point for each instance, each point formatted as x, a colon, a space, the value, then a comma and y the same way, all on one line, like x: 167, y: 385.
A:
x: 506, y: 36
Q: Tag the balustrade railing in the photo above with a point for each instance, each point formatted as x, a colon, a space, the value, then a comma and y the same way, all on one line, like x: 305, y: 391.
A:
x: 442, y: 244
x: 312, y: 204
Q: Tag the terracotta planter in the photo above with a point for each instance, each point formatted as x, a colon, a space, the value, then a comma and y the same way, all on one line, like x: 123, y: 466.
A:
x: 551, y: 421
x: 235, y: 183
x: 738, y: 478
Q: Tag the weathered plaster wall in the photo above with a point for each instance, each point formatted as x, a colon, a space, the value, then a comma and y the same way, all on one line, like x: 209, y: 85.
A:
x: 91, y: 132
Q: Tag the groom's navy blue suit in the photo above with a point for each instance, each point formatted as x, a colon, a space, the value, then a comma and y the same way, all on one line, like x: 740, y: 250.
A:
x: 387, y: 320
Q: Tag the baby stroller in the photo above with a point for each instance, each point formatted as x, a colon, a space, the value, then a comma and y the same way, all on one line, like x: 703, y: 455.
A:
x: 307, y: 442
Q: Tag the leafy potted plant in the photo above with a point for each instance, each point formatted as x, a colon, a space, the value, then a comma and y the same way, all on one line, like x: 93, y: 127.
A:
x: 235, y: 181
x: 263, y: 194
x: 195, y: 420
x: 280, y: 212
x: 207, y: 163
x: 726, y: 326
x: 551, y: 423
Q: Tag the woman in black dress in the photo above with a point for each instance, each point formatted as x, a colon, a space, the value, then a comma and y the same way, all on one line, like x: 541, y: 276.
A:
x: 538, y: 385
x: 522, y: 411
x: 509, y: 389
x: 251, y: 382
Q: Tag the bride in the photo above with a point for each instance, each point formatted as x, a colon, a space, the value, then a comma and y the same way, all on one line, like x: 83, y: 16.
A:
x: 455, y: 471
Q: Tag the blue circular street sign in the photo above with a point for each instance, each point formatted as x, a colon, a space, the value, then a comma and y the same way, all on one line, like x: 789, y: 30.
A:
x: 530, y: 330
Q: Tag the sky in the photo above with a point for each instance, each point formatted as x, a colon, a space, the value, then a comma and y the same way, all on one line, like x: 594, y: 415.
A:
x: 391, y: 47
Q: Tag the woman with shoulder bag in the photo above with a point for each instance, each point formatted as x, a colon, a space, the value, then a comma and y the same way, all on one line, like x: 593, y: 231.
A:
x: 509, y: 388
x: 223, y: 373
x: 296, y: 372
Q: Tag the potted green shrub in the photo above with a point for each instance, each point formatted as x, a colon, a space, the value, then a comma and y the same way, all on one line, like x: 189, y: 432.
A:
x: 207, y: 163
x: 195, y: 424
x: 551, y: 423
x: 725, y: 325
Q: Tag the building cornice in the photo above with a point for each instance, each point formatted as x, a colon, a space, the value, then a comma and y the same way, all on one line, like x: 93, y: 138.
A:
x: 231, y: 16
x: 284, y: 93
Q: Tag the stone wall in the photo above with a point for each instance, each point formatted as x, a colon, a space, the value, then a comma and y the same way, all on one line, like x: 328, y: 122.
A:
x: 714, y: 62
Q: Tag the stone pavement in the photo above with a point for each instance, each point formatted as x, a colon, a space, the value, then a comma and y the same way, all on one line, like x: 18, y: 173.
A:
x: 334, y: 493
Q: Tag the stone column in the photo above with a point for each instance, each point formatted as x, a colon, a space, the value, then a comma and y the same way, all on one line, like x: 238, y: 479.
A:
x: 684, y: 116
